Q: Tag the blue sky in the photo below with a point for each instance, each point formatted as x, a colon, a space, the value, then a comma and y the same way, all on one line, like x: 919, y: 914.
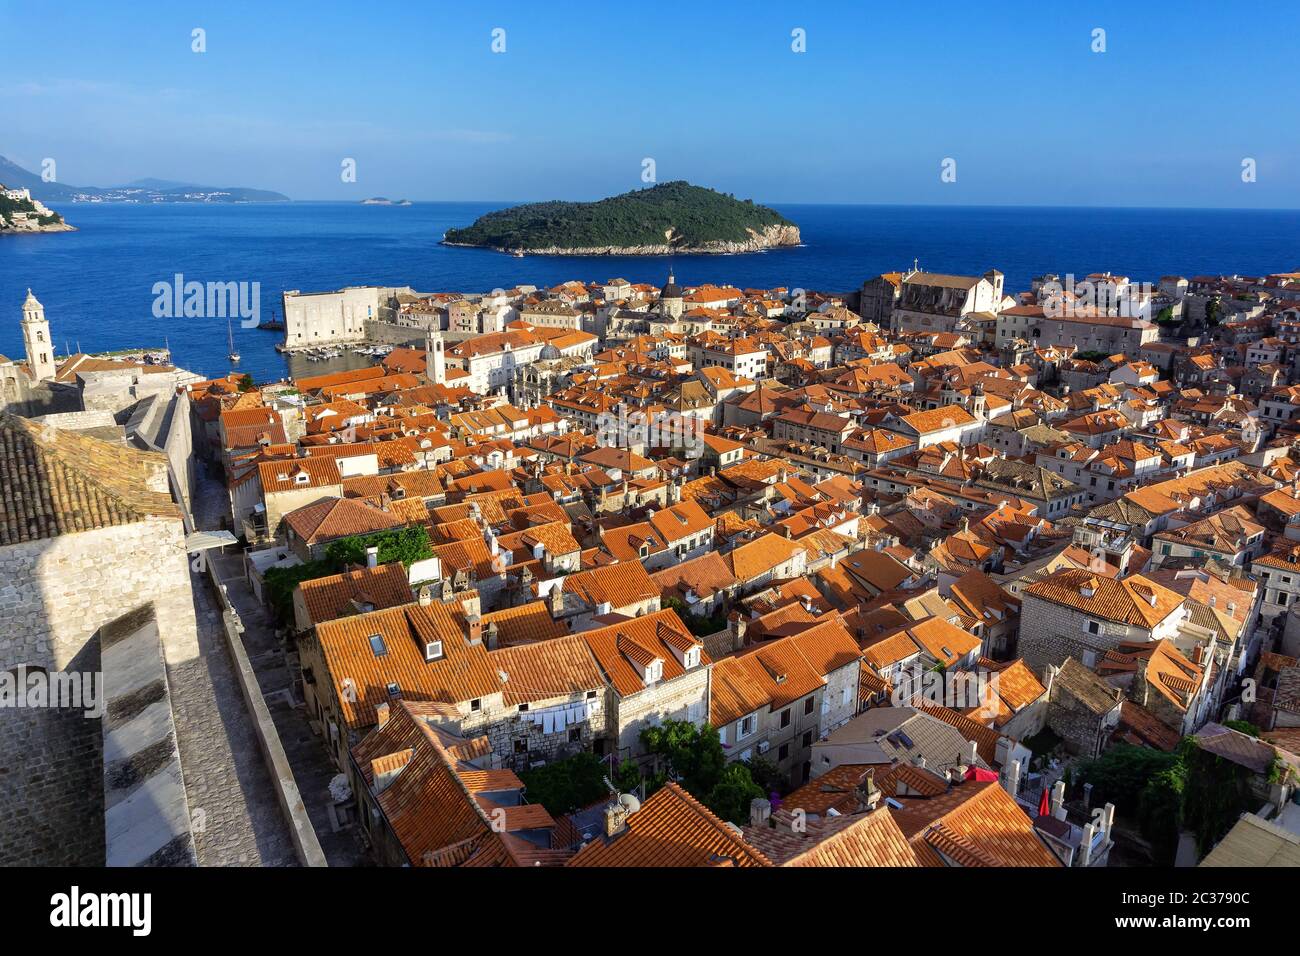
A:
x: 713, y: 92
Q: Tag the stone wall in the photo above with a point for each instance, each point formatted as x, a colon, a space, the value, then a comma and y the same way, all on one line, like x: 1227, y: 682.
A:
x: 387, y: 333
x: 506, y: 728
x: 57, y: 593
x: 51, y: 784
x: 1082, y: 730
x: 76, y: 421
x: 1049, y: 633
x: 55, y: 596
x: 668, y: 700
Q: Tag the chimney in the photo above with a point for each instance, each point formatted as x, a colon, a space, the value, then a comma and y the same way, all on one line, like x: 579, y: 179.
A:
x: 490, y: 636
x: 372, y: 557
x: 473, y: 629
x: 868, y: 793
x: 972, y: 753
x: 1058, y: 800
x: 555, y: 599
x: 426, y: 596
x: 1085, y: 846
x: 615, y: 819
x: 1012, y: 779
x: 381, y: 713
x: 738, y: 625
x: 760, y: 810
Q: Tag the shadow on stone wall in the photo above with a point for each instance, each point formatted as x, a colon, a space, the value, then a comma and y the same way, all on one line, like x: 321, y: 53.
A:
x: 51, y: 780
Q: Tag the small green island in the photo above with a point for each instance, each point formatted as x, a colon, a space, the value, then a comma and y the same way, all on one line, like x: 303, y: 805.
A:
x: 669, y: 217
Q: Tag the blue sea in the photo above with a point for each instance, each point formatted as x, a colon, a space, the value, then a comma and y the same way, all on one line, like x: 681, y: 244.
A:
x: 97, y: 283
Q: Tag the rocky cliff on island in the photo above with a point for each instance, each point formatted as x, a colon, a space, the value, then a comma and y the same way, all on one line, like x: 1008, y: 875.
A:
x: 20, y: 213
x: 671, y: 217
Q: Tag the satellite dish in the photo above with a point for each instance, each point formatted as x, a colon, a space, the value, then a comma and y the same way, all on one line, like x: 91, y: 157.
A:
x: 630, y: 802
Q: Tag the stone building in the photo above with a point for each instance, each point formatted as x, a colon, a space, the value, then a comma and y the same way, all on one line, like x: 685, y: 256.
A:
x: 88, y: 534
x: 657, y: 671
x: 777, y: 698
x: 1082, y: 709
x: 1081, y: 614
x: 933, y: 302
x: 533, y: 702
x: 313, y: 319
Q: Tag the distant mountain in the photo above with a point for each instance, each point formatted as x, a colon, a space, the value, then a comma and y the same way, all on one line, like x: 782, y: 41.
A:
x: 669, y: 217
x: 141, y: 190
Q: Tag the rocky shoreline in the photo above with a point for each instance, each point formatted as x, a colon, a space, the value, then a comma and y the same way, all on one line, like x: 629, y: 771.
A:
x: 772, y: 237
x: 27, y: 230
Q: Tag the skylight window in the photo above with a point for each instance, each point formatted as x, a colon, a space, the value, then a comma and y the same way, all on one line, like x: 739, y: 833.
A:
x: 377, y: 645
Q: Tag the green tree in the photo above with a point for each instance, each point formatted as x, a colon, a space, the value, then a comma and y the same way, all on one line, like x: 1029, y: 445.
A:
x: 627, y: 777
x: 280, y: 582
x: 407, y: 545
x: 1160, y: 810
x: 766, y: 775
x: 563, y: 786
x: 1216, y: 792
x: 692, y: 755
x: 697, y: 624
x: 731, y: 796
x: 1119, y: 775
x: 1243, y: 726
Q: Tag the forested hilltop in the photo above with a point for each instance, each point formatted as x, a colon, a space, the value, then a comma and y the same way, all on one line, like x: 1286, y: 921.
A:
x: 673, y: 216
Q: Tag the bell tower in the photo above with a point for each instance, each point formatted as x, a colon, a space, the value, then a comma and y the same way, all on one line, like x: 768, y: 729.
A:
x: 36, y: 339
x: 435, y: 360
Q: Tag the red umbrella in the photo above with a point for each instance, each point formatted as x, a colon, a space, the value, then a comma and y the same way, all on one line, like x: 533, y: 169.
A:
x: 1045, y: 805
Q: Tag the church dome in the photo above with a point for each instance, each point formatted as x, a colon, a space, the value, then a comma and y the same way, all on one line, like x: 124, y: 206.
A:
x: 671, y: 289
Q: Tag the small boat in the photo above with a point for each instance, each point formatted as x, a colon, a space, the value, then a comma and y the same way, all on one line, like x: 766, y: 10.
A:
x: 518, y: 253
x: 230, y: 335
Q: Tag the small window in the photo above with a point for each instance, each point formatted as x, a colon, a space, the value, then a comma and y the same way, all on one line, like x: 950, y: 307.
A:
x: 785, y: 717
x: 783, y: 752
x: 377, y: 645
x: 591, y: 695
x: 523, y: 708
x: 1094, y: 627
x: 808, y: 706
x: 476, y: 704
x: 521, y: 745
x: 807, y: 738
x: 575, y: 735
x: 394, y: 690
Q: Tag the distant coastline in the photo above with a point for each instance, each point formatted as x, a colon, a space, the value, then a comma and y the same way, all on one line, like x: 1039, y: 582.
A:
x: 141, y: 191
